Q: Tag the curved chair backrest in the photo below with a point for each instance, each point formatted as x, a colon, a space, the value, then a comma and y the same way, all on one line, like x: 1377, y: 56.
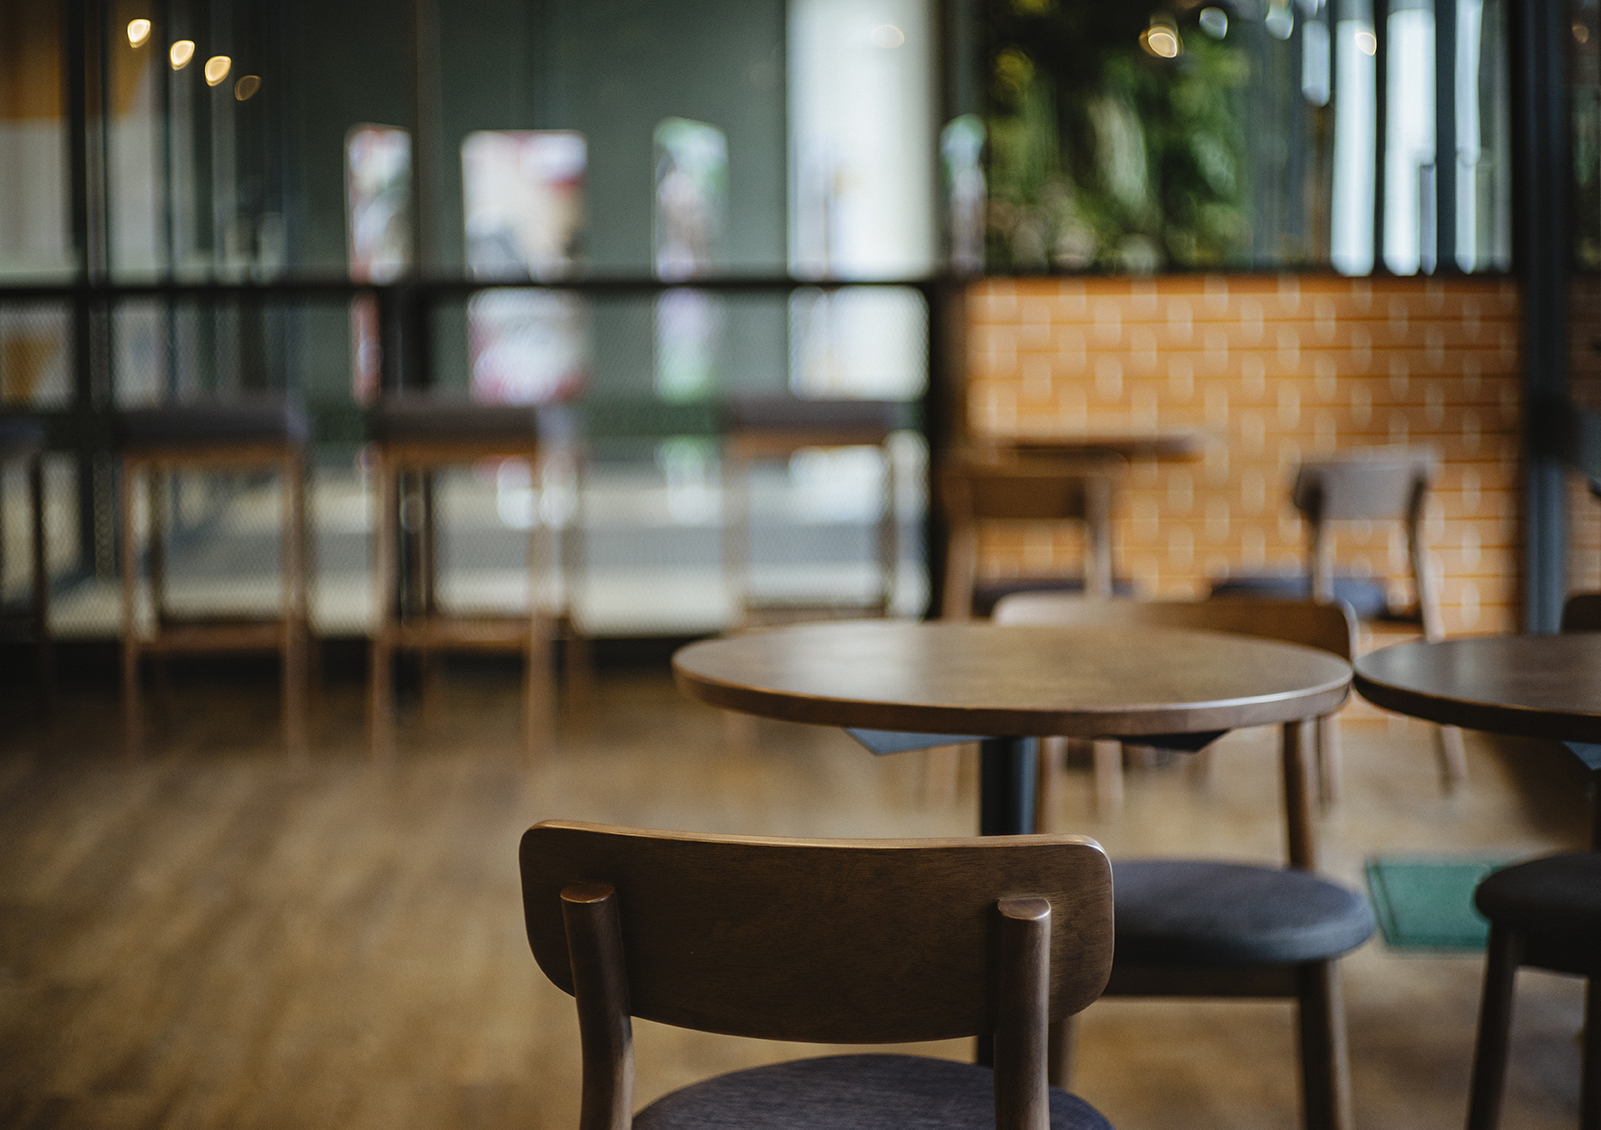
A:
x: 1374, y: 483
x: 1330, y: 627
x: 1582, y: 612
x: 829, y: 941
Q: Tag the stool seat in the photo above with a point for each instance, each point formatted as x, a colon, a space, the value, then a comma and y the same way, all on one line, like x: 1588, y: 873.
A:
x: 425, y: 420
x: 851, y: 1092
x: 21, y: 439
x: 276, y: 420
x: 1554, y: 903
x: 1366, y: 597
x: 1196, y: 914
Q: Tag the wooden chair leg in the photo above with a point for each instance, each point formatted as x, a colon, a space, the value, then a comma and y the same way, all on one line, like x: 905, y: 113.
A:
x: 1453, y: 758
x: 537, y: 688
x: 158, y: 485
x: 1590, y: 1062
x: 1059, y: 1052
x: 1325, y: 1056
x: 1501, y: 962
x: 1108, y: 757
x: 294, y: 609
x: 1051, y: 763
x: 1330, y: 761
x: 132, y: 736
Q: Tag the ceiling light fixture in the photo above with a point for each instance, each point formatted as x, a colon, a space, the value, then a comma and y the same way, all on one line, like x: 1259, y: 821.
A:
x: 245, y: 87
x: 217, y: 68
x: 1161, y: 39
x: 138, y: 32
x: 181, y: 53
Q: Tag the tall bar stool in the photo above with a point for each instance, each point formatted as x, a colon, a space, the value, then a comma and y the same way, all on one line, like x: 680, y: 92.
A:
x: 765, y: 428
x: 413, y: 437
x: 253, y: 434
x: 24, y: 441
x: 1375, y: 484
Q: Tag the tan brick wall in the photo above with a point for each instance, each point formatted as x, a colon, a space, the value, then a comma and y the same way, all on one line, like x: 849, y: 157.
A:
x: 1268, y: 370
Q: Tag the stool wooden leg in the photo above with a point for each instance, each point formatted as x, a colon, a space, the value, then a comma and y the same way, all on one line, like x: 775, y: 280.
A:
x: 156, y: 486
x: 294, y: 608
x: 1453, y: 758
x: 537, y: 687
x: 41, y: 589
x: 1330, y: 760
x: 132, y: 743
x: 1325, y: 1056
x: 1501, y: 962
x: 380, y: 677
x: 1108, y: 758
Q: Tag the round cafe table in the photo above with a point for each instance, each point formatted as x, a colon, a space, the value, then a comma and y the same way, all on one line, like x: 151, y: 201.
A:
x: 1010, y: 685
x: 1532, y: 686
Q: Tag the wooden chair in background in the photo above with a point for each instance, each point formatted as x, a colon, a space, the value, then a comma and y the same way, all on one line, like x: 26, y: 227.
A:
x: 823, y: 941
x: 23, y: 441
x: 1377, y: 485
x: 1326, y: 626
x: 413, y: 438
x: 979, y: 488
x: 1546, y: 914
x: 250, y: 435
x: 1189, y: 927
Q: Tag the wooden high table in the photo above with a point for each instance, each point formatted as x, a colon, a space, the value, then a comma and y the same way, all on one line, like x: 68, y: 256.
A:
x: 1010, y: 685
x: 1531, y: 686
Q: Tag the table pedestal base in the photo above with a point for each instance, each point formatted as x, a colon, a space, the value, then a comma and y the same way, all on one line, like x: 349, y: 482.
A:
x: 1007, y: 774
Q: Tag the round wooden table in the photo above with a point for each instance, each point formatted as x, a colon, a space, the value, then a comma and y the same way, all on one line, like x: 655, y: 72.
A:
x: 1533, y: 686
x: 1014, y: 684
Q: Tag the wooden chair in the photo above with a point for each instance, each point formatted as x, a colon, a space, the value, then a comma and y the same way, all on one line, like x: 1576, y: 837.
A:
x: 413, y: 437
x: 824, y: 941
x: 1326, y: 626
x: 1546, y: 914
x: 24, y: 441
x: 1198, y: 928
x: 763, y: 428
x: 249, y: 434
x: 976, y: 488
x: 1377, y: 484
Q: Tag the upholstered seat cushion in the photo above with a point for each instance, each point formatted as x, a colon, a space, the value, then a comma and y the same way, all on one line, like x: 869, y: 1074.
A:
x: 256, y: 419
x: 1555, y: 903
x: 419, y: 419
x: 850, y: 1092
x: 1201, y: 914
x: 793, y: 413
x: 1367, y: 597
x: 20, y: 439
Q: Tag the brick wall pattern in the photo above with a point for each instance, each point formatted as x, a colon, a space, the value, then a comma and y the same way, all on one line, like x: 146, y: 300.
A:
x: 1267, y: 370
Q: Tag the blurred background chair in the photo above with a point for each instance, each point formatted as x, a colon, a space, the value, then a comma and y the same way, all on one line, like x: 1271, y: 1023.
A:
x: 912, y: 940
x: 413, y: 438
x: 250, y: 435
x: 23, y: 441
x: 1326, y: 626
x: 980, y: 488
x: 1379, y: 484
x: 761, y: 429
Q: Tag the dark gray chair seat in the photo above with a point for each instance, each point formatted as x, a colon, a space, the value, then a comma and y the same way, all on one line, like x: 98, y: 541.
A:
x: 1554, y: 905
x: 259, y: 419
x: 1366, y: 596
x: 851, y: 1092
x: 1202, y: 914
x: 420, y: 419
x: 21, y: 439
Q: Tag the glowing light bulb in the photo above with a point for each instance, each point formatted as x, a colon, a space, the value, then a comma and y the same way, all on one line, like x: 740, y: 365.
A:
x: 1161, y: 41
x: 246, y: 86
x: 1367, y: 43
x: 138, y: 32
x: 217, y: 68
x: 181, y: 53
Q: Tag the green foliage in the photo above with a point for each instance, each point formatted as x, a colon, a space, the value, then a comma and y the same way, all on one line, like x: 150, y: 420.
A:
x: 1103, y: 156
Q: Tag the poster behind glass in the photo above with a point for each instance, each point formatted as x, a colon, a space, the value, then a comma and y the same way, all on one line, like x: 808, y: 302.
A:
x: 691, y: 202
x: 523, y: 198
x: 378, y: 229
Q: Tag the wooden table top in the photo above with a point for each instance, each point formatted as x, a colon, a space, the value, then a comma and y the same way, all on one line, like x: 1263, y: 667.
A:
x: 956, y: 677
x: 1536, y: 686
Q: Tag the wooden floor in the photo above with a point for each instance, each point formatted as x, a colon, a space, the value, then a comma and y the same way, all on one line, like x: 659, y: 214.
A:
x: 216, y: 939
